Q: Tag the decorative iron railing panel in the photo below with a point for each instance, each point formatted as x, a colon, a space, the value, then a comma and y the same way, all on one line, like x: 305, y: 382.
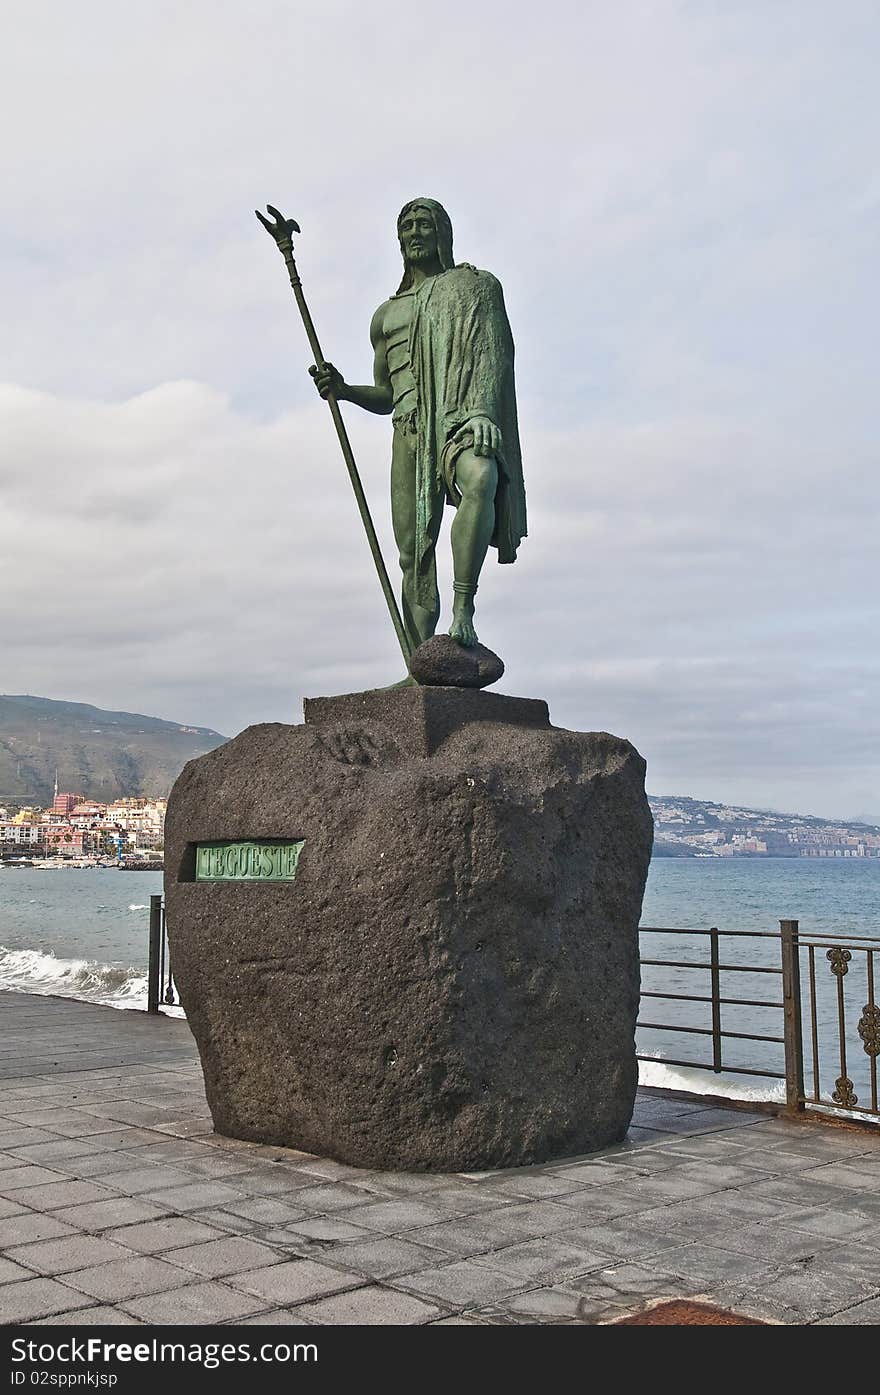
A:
x: 822, y: 1034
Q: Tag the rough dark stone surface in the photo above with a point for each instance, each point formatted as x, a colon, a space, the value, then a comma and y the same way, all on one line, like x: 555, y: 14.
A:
x: 442, y: 662
x: 451, y: 982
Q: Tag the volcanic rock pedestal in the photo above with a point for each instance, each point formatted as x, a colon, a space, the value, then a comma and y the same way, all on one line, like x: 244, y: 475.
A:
x: 405, y: 932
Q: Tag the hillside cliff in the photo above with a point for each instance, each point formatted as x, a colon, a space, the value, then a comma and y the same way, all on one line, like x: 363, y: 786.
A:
x: 103, y: 755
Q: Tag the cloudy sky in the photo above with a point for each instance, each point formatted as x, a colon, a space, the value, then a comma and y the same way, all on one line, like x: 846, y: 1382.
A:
x: 681, y: 200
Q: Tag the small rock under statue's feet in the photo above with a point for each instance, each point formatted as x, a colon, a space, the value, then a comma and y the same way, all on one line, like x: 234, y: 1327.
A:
x: 441, y: 662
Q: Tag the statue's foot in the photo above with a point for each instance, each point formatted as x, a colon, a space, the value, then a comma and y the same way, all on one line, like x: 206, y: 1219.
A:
x: 462, y: 627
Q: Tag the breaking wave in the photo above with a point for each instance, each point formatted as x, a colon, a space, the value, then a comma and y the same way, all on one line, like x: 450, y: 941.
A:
x: 706, y: 1082
x: 33, y: 971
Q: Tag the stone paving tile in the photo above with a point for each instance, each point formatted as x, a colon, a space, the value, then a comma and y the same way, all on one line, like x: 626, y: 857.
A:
x: 629, y: 1285
x: 797, y: 1295
x: 31, y: 1225
x: 294, y: 1280
x: 393, y: 1216
x: 550, y: 1260
x: 639, y: 1134
x: 16, y: 1179
x: 195, y: 1196
x: 802, y: 1194
x: 62, y: 1255
x: 838, y: 1225
x: 229, y: 1255
x: 863, y: 1314
x: 536, y: 1218
x: 56, y: 1150
x: 540, y: 1185
x: 130, y: 1112
x: 379, y: 1258
x: 330, y: 1196
x: 844, y: 1175
x: 72, y: 1123
x: 260, y: 1210
x: 775, y: 1242
x: 467, y: 1235
x: 52, y: 1196
x: 115, y: 1211
x: 327, y: 1168
x: 228, y: 1222
x: 37, y: 1298
x: 853, y: 1259
x: 195, y: 1304
x: 459, y: 1321
x: 136, y: 1180
x: 623, y: 1239
x: 153, y: 1237
x: 810, y: 1138
x: 555, y: 1305
x: 646, y: 1161
x: 10, y: 1208
x: 99, y: 1316
x: 372, y: 1304
x: 632, y: 1195
x: 709, y: 1263
x: 162, y: 1148
x: 12, y: 1136
x: 9, y: 1270
x: 121, y: 1279
x: 324, y: 1228
x: 217, y: 1168
x: 405, y: 1183
x: 277, y: 1317
x: 97, y: 1166
x: 464, y: 1282
x: 122, y: 1139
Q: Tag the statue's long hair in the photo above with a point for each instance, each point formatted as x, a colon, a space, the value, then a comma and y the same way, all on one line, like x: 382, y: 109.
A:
x: 443, y: 229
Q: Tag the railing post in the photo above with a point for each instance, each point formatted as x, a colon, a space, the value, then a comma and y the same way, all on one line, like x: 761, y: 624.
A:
x: 715, y: 962
x: 168, y: 996
x: 154, y: 973
x: 792, y: 1029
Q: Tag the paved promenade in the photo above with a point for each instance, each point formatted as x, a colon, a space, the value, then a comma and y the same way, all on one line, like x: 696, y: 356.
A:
x: 119, y: 1205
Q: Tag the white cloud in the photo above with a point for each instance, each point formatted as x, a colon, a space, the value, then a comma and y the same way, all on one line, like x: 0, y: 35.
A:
x: 681, y: 206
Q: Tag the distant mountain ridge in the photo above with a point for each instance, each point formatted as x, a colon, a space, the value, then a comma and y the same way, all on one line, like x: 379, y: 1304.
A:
x: 103, y: 755
x: 108, y: 755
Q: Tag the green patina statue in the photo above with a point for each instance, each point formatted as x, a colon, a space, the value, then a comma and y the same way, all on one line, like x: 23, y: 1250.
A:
x: 443, y: 367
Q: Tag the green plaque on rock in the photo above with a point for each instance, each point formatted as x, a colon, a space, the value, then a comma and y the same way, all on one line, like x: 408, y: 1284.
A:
x: 258, y: 861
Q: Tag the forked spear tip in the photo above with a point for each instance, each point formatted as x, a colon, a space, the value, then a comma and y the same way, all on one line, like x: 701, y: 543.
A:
x: 280, y: 227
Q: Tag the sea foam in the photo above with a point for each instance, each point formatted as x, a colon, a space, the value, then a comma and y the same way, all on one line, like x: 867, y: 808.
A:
x: 33, y: 971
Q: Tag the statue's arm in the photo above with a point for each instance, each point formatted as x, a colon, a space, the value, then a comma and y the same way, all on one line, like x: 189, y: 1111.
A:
x: 377, y: 398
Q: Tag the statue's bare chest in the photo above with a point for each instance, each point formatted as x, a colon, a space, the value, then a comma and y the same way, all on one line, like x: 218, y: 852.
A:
x: 397, y: 320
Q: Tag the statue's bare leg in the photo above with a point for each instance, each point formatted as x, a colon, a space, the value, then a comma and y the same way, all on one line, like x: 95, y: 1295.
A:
x: 419, y: 621
x: 476, y: 477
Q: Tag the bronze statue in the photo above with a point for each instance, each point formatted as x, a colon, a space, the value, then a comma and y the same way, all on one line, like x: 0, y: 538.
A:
x: 443, y: 366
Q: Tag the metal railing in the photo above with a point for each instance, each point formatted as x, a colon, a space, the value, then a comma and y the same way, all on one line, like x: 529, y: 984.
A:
x: 160, y: 982
x: 813, y: 1016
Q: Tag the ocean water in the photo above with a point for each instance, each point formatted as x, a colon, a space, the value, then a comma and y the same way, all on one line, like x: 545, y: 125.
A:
x: 83, y: 933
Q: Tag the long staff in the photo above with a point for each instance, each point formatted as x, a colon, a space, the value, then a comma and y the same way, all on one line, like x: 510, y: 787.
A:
x: 281, y: 229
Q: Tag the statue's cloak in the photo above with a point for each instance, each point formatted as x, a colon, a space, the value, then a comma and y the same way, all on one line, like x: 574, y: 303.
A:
x: 461, y: 351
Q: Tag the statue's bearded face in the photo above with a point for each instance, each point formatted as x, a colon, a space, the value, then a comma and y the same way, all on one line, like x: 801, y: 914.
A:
x: 418, y: 236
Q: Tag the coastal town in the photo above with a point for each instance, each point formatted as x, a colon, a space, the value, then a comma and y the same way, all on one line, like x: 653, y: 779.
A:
x: 81, y: 832
x: 686, y: 827
x: 129, y: 832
